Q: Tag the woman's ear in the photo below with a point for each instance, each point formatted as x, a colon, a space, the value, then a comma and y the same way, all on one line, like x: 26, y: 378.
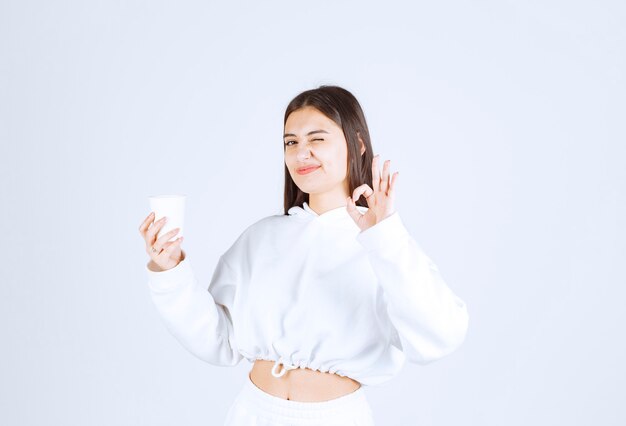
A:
x: 362, y: 144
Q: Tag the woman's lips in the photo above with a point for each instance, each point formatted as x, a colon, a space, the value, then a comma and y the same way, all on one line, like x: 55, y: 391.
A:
x: 307, y: 170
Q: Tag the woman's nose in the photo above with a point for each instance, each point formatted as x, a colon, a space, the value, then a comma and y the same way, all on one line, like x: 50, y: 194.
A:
x: 303, y: 153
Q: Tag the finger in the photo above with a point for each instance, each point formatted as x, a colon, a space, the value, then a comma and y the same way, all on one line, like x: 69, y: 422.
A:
x: 167, y: 244
x: 153, y: 231
x: 146, y: 222
x: 167, y: 236
x: 171, y: 247
x: 159, y: 251
x: 352, y: 210
x: 367, y: 192
x: 375, y: 173
x: 163, y: 239
x: 392, y: 187
x: 384, y: 183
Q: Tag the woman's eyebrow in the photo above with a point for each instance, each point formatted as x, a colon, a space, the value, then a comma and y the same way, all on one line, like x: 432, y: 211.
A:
x: 310, y: 133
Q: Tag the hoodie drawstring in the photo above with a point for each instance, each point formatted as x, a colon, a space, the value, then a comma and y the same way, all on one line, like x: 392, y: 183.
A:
x: 286, y: 367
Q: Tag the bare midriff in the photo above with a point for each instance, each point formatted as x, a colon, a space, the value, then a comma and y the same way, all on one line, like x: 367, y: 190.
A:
x: 301, y: 384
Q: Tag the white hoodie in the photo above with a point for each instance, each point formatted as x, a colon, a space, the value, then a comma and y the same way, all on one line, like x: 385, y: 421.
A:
x: 309, y: 290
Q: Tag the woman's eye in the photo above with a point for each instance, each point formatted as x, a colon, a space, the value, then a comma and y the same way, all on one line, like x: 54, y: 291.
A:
x: 288, y: 142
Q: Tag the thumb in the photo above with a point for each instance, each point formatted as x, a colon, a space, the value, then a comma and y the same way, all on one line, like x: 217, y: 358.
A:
x: 352, y: 210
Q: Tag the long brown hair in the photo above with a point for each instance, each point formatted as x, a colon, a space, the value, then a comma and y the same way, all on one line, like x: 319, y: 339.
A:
x: 342, y: 107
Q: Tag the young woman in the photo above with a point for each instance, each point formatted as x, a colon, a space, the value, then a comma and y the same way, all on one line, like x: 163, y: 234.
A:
x: 330, y: 296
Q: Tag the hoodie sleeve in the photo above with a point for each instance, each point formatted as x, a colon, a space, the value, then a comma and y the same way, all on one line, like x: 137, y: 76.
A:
x: 430, y: 319
x: 197, y: 317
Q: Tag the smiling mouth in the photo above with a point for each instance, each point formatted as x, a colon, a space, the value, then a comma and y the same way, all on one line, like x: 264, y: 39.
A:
x: 307, y: 170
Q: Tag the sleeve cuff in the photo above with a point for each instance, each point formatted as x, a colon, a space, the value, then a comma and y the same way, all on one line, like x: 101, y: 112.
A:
x: 164, y: 281
x: 386, y: 236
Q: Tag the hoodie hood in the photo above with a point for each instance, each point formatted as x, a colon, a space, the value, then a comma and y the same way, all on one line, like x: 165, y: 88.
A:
x: 339, y: 213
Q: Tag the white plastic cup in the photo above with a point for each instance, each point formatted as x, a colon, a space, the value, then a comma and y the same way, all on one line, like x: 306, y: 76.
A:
x: 171, y: 206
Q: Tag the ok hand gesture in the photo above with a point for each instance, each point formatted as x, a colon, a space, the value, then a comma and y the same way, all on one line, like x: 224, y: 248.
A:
x: 379, y: 199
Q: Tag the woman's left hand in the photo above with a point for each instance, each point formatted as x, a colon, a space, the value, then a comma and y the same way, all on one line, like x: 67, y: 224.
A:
x: 379, y: 199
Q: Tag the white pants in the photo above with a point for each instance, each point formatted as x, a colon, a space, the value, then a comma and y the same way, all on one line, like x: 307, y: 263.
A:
x: 255, y: 407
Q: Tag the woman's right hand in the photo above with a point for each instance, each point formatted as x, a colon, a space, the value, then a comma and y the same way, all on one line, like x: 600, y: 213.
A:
x: 168, y: 254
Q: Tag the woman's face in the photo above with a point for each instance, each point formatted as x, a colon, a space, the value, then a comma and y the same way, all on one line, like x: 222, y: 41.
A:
x: 312, y: 139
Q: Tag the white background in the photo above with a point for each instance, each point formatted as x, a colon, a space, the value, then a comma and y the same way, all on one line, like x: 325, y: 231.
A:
x: 505, y: 119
